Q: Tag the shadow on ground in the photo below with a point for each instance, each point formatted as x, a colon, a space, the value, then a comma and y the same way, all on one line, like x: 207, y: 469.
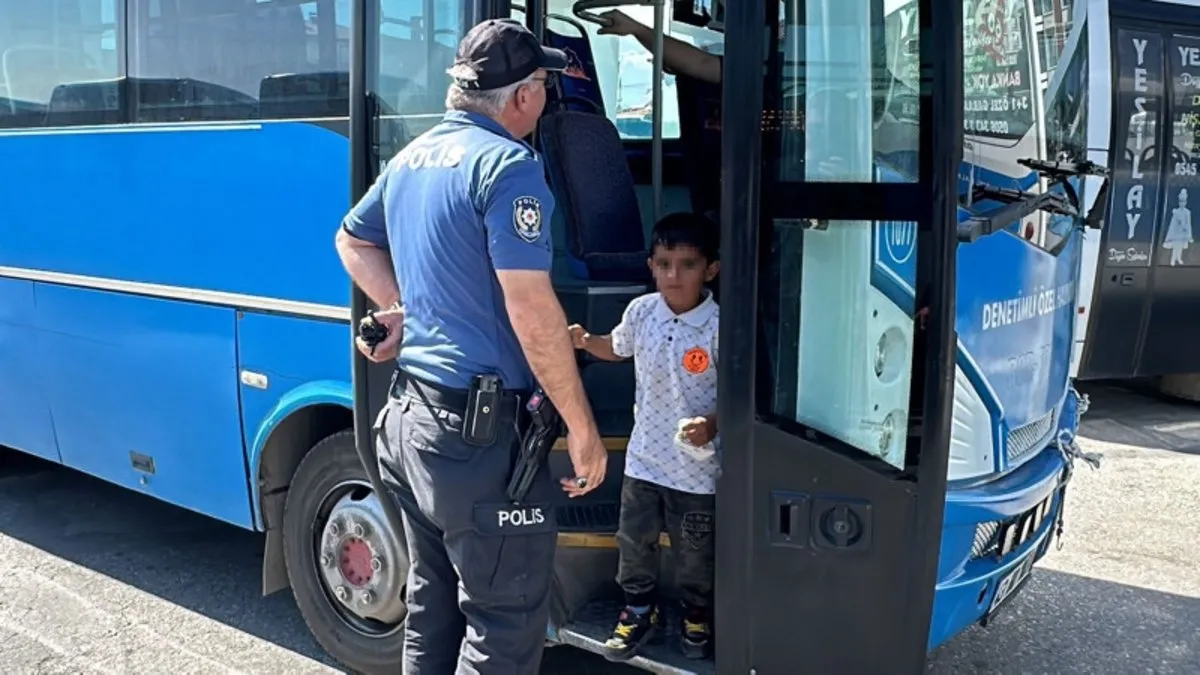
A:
x: 1139, y: 415
x: 191, y: 560
x: 1062, y: 623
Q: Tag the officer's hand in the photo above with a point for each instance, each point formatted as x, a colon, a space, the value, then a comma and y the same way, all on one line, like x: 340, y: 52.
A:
x: 619, y: 24
x: 393, y: 320
x: 590, y: 460
x: 579, y: 336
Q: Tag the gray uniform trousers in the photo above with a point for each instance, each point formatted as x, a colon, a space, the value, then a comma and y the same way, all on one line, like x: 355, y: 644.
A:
x: 479, y: 585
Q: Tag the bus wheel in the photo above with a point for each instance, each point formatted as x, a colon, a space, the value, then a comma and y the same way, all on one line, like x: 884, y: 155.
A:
x: 346, y: 566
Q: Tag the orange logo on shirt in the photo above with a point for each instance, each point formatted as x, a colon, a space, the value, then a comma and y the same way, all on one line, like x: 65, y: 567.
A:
x: 695, y: 361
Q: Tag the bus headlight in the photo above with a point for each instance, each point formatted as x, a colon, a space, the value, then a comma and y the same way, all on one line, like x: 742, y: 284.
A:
x: 891, y: 355
x: 892, y: 435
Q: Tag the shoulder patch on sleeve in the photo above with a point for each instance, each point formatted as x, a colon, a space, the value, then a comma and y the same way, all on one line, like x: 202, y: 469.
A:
x: 527, y: 218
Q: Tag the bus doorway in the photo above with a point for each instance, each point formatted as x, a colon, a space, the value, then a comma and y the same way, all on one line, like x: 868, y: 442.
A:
x: 836, y: 384
x: 1145, y: 304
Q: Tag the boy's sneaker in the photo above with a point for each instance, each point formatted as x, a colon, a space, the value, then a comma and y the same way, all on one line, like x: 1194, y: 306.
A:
x: 696, y: 633
x: 632, y: 631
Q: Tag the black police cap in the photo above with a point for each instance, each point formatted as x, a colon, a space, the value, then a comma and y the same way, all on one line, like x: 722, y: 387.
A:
x: 500, y: 52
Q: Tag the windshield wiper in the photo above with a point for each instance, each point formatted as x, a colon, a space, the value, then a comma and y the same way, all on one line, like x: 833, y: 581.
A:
x: 1063, y: 169
x: 1058, y: 171
x: 1016, y: 204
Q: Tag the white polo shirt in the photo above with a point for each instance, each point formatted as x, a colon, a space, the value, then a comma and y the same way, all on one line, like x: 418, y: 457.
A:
x: 675, y: 358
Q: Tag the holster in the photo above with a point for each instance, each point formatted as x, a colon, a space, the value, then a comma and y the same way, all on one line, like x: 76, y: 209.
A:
x: 543, y: 430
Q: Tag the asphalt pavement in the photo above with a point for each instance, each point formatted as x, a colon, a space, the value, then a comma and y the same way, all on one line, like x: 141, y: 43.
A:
x: 98, y: 579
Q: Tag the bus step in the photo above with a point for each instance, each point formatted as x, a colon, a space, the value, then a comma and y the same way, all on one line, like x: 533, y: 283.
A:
x: 601, y: 518
x: 594, y: 622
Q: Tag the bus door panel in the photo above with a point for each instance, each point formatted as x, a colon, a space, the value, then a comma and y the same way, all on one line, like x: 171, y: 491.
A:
x: 144, y: 393
x: 1123, y: 283
x: 1147, y: 286
x: 1174, y: 311
x: 832, y: 495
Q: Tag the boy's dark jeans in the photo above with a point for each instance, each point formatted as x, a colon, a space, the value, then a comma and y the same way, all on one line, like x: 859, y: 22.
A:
x: 689, y: 520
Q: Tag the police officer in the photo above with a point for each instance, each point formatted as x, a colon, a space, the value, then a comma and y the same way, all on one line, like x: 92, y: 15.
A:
x: 463, y: 212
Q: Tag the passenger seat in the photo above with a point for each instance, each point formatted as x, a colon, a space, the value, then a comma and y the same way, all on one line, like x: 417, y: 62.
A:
x: 594, y: 187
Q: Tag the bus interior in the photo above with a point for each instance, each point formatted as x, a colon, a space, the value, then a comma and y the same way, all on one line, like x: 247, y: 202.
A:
x: 610, y: 188
x: 617, y: 163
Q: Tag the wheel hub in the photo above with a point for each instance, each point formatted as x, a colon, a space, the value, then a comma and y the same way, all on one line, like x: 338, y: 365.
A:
x: 355, y: 563
x: 361, y: 561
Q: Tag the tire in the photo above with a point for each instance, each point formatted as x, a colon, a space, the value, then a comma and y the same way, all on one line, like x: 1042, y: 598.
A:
x: 332, y: 468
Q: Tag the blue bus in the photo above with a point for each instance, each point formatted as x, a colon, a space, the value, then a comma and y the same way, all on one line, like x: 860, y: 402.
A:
x: 174, y: 318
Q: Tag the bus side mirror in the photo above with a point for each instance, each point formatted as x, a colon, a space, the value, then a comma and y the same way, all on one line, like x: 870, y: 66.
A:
x: 1095, y: 217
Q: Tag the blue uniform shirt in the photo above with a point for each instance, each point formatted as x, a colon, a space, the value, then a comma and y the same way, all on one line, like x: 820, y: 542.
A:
x: 461, y: 201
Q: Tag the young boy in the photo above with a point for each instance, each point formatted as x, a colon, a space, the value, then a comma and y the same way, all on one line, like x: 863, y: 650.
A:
x: 672, y: 336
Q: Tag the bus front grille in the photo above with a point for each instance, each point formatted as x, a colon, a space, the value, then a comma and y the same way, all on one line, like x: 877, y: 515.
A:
x: 1024, y: 441
x: 985, y: 539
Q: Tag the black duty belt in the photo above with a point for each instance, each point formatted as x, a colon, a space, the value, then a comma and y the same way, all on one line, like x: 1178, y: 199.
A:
x: 451, y: 398
x: 537, y: 421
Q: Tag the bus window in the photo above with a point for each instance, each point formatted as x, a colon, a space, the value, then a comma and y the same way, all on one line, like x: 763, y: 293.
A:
x: 998, y: 76
x: 415, y: 51
x: 50, y: 43
x: 624, y: 69
x: 201, y: 61
x: 1005, y: 78
x: 1066, y: 131
x: 839, y: 349
x: 1055, y: 19
x: 833, y: 126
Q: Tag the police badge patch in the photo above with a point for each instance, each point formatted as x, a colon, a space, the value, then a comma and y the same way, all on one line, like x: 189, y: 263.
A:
x: 527, y: 218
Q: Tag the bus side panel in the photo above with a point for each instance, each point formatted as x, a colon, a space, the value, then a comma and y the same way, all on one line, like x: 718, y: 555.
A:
x: 305, y: 362
x: 144, y: 394
x: 246, y: 208
x: 1015, y: 314
x: 294, y: 348
x: 25, y: 422
x: 1016, y: 318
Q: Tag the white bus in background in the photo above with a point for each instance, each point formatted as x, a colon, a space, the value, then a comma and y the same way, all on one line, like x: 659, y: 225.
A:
x: 1139, y: 301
